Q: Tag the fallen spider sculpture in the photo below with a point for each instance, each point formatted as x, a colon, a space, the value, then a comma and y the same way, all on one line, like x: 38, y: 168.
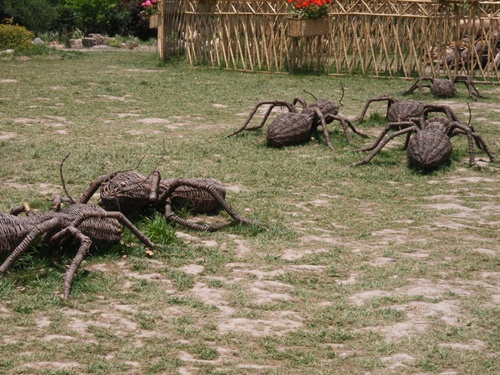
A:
x: 430, y: 146
x: 83, y: 224
x: 130, y: 191
x: 444, y: 88
x: 295, y: 127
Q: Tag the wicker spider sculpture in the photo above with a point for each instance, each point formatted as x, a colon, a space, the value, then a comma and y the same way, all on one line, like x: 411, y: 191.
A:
x: 430, y: 146
x: 130, y: 191
x: 403, y: 113
x: 295, y: 127
x: 83, y: 224
x: 444, y: 88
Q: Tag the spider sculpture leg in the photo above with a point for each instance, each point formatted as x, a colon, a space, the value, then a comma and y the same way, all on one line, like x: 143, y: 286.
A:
x: 324, y: 127
x: 346, y: 123
x: 384, y: 142
x: 35, y: 232
x: 302, y: 102
x: 472, y: 137
x: 479, y: 140
x: 74, y: 230
x: 389, y: 126
x: 101, y: 214
x: 272, y: 103
x: 93, y: 187
x: 155, y: 185
x: 171, y: 216
x: 81, y: 254
x: 417, y: 122
x: 473, y: 91
x: 428, y: 108
x: 419, y: 83
x: 381, y: 98
x: 25, y: 208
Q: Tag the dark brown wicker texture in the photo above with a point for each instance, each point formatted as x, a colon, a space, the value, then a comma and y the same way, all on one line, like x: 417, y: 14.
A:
x: 132, y: 192
x: 430, y: 146
x: 296, y: 127
x: 85, y: 224
x: 402, y: 113
x: 445, y: 88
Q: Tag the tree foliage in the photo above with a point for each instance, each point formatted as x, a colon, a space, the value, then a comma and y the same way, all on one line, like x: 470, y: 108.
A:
x: 35, y: 15
x: 109, y: 17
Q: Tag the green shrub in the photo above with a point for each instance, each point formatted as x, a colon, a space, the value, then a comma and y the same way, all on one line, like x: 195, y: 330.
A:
x: 113, y: 43
x: 14, y: 36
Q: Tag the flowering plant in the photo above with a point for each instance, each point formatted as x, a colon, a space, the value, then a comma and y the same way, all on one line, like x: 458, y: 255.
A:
x: 309, y: 8
x: 149, y: 7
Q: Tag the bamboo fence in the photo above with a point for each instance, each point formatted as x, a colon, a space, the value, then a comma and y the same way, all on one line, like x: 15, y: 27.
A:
x: 402, y: 38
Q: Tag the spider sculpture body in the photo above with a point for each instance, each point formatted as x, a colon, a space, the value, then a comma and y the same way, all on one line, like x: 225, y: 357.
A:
x: 82, y: 223
x: 296, y: 127
x: 402, y: 113
x: 430, y: 146
x: 444, y: 88
x: 132, y: 192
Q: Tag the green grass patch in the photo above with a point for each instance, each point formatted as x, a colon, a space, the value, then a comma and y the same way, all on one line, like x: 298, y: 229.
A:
x: 356, y: 268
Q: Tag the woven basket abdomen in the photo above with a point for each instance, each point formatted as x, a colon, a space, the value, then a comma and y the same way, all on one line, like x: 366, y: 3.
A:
x: 289, y: 129
x: 13, y: 229
x: 195, y: 199
x: 429, y: 149
x: 102, y: 231
x: 443, y: 88
x: 405, y: 110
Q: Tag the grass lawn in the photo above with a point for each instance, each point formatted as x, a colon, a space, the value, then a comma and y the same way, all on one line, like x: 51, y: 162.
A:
x: 373, y: 269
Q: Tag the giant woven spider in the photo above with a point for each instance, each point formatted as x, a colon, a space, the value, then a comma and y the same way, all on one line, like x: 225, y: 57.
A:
x: 130, y: 191
x: 430, y: 145
x: 80, y: 223
x: 295, y: 127
x: 401, y: 113
x: 444, y: 88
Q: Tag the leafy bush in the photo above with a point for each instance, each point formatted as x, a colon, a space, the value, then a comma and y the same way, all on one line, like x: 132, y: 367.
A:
x: 15, y: 36
x: 113, y: 43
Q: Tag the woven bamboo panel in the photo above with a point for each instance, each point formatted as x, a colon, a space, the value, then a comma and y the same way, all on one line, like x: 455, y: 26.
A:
x: 245, y: 35
x: 404, y: 38
x: 371, y: 37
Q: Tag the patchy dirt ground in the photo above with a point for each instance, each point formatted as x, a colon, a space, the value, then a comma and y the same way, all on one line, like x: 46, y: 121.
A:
x: 431, y: 302
x: 254, y: 298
